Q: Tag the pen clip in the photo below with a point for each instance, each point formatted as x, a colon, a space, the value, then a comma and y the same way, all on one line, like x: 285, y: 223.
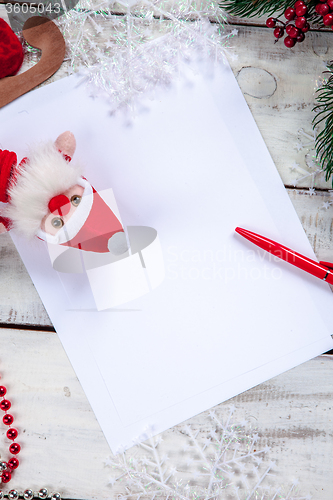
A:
x: 329, y: 265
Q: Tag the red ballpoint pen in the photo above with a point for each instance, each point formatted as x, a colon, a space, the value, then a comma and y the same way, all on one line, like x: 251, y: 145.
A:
x: 322, y: 270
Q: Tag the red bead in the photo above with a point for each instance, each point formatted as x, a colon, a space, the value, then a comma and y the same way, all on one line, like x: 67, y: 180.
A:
x: 306, y: 28
x: 278, y: 32
x: 12, y: 434
x: 5, y: 404
x: 330, y: 4
x: 15, y: 448
x: 289, y: 42
x: 300, y: 22
x: 301, y: 10
x: 3, y: 390
x: 8, y: 419
x: 271, y: 23
x: 6, y: 476
x: 300, y: 37
x: 13, y: 463
x: 298, y: 3
x: 290, y: 13
x: 328, y: 19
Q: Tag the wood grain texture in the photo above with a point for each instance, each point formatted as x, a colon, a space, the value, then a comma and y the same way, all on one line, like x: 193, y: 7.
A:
x: 64, y: 449
x: 43, y: 34
x: 63, y: 446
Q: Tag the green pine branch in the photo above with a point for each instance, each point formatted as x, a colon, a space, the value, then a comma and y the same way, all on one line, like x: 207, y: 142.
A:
x: 250, y: 8
x: 324, y: 118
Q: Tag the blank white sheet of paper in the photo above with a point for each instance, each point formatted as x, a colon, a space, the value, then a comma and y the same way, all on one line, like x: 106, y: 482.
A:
x: 192, y: 165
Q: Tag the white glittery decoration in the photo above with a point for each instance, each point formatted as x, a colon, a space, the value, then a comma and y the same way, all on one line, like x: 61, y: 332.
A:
x: 313, y: 172
x: 221, y: 462
x: 125, y: 50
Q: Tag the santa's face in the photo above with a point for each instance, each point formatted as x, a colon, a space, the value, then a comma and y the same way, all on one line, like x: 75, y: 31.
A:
x: 52, y: 222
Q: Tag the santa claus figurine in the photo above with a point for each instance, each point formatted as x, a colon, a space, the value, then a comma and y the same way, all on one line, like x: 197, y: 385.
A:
x: 47, y: 196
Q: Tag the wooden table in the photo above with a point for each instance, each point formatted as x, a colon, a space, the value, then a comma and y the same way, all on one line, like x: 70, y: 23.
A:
x: 63, y: 446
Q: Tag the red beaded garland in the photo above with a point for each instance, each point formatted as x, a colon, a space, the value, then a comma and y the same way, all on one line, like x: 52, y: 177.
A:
x: 14, y: 448
x: 5, y: 405
x: 12, y: 434
x: 8, y: 419
x: 13, y: 463
x: 6, y: 476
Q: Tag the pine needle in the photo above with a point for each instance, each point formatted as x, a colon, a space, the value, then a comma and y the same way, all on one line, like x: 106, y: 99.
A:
x: 324, y: 110
x: 251, y: 8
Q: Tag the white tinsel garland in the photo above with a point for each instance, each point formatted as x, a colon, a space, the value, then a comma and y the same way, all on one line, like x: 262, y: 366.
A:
x: 222, y: 462
x: 126, y: 49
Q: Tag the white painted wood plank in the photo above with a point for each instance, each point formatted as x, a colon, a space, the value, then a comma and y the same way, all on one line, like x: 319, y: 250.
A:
x: 278, y: 85
x: 64, y: 449
x: 19, y: 301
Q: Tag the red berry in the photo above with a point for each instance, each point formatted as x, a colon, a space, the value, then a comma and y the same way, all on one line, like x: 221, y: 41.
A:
x: 328, y: 19
x: 278, y: 32
x: 6, y: 476
x: 290, y: 13
x: 15, y: 448
x: 289, y: 42
x: 300, y: 22
x: 293, y: 32
x: 271, y: 23
x: 300, y: 37
x: 322, y: 9
x: 298, y: 3
x: 301, y: 10
x: 306, y: 28
x: 330, y: 4
x: 3, y: 390
x: 13, y: 463
x: 323, y: 1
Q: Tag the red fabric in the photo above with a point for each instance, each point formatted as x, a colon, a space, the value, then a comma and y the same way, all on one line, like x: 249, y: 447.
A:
x: 11, y: 51
x: 7, y: 161
x: 100, y: 225
x: 5, y: 222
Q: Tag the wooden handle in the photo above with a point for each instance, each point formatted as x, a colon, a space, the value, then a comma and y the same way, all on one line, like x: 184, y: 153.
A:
x: 43, y: 34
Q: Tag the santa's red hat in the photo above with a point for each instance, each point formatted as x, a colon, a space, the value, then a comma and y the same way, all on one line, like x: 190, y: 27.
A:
x: 26, y: 189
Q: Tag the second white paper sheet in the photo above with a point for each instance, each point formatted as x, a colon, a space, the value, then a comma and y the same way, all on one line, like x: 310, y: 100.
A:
x: 193, y: 166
